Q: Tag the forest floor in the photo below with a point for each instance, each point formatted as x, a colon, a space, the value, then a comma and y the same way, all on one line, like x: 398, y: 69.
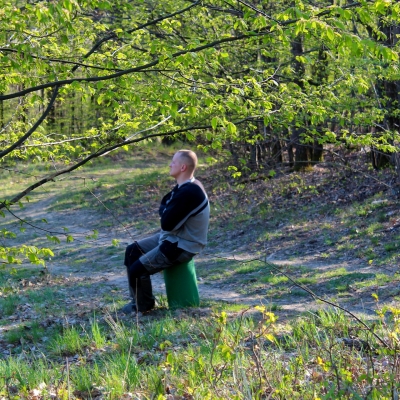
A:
x: 333, y: 229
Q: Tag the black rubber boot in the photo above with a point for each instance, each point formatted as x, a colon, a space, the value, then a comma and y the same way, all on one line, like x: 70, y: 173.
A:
x: 143, y: 299
x: 144, y: 296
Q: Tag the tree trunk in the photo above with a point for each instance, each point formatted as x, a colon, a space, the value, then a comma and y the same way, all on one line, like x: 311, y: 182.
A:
x: 1, y: 113
x: 254, y: 157
x: 72, y: 122
x: 389, y: 96
x: 301, y: 159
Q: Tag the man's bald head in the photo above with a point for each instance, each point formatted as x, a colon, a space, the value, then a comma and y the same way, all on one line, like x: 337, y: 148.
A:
x: 189, y: 158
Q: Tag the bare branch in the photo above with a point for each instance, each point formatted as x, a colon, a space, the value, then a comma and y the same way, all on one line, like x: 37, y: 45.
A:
x: 60, y: 142
x: 258, y: 11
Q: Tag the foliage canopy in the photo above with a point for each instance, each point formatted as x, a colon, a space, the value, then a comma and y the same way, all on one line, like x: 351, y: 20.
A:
x: 80, y: 79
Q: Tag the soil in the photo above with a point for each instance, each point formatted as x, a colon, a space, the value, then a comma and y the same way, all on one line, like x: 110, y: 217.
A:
x: 98, y: 265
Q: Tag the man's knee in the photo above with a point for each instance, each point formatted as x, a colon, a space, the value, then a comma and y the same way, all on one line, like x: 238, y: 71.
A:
x: 132, y: 253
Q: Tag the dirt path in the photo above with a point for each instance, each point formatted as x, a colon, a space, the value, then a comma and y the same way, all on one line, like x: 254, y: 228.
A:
x: 100, y: 267
x: 97, y: 261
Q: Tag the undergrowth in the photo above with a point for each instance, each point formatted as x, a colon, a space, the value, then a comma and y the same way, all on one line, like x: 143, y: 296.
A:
x: 54, y: 347
x: 249, y: 355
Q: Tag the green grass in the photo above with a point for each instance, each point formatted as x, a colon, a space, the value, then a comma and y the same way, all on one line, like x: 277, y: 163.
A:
x: 274, y: 279
x: 29, y: 333
x: 343, y: 283
x: 392, y: 246
x: 9, y: 304
x: 220, y: 350
x: 70, y: 342
x: 197, y: 357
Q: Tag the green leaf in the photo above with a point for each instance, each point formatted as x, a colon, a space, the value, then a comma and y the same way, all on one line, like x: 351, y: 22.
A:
x: 231, y: 128
x: 192, y: 111
x: 170, y: 358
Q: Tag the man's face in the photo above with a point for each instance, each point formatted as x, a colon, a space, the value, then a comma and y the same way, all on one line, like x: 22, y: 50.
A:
x: 175, y: 167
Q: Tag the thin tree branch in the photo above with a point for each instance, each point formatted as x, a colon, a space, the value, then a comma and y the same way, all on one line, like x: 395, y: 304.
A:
x: 261, y: 32
x: 58, y: 60
x: 100, y: 153
x: 153, y: 22
x: 152, y: 127
x: 60, y: 142
x: 258, y: 11
x: 37, y: 123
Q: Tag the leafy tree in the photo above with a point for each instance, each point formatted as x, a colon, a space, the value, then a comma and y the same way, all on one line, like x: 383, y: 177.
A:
x: 81, y: 79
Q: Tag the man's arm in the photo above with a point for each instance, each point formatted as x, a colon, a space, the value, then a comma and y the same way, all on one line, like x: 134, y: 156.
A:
x: 164, y: 202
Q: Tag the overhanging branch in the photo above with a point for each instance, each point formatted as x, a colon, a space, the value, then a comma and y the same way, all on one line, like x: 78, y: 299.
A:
x: 100, y: 153
x: 34, y: 127
x: 262, y: 32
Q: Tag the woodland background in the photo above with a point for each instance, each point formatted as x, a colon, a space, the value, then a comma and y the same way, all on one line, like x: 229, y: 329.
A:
x: 293, y: 107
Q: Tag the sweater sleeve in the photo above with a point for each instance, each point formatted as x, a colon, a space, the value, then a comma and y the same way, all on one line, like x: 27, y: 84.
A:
x: 164, y: 202
x: 187, y: 201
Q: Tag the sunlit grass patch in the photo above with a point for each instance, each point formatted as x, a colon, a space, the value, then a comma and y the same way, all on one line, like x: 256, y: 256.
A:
x: 215, y: 270
x: 307, y: 280
x: 333, y: 273
x: 274, y: 279
x: 69, y: 342
x: 343, y: 283
x: 392, y: 246
x: 298, y: 292
x: 372, y: 228
x: 249, y: 267
x: 377, y: 280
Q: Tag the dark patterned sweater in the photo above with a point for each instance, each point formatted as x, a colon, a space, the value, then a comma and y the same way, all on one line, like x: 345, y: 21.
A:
x: 185, y: 213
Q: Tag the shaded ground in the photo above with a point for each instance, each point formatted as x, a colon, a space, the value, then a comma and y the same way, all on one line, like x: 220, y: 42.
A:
x: 335, y: 231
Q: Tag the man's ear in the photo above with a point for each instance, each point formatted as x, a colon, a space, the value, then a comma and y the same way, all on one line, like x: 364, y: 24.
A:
x: 183, y: 167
